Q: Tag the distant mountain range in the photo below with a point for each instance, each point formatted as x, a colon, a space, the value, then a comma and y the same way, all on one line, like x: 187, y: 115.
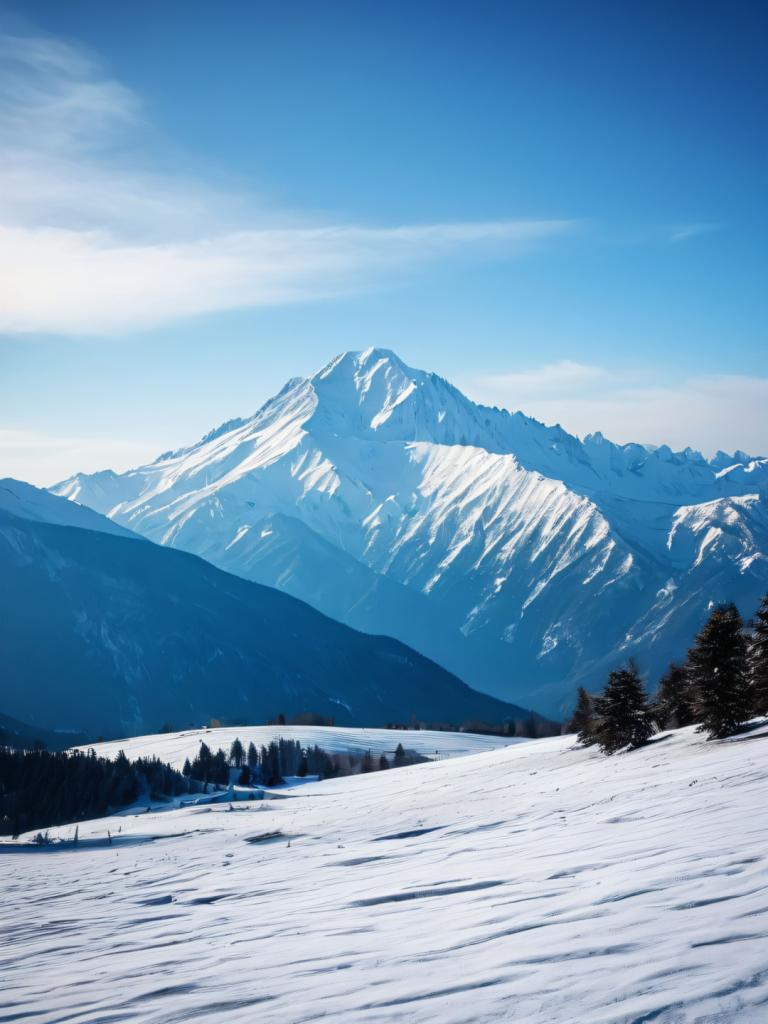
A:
x: 103, y: 632
x: 514, y: 554
x: 14, y: 733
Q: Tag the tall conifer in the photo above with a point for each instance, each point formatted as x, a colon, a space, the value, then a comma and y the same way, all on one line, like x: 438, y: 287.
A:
x: 758, y: 660
x: 624, y: 717
x: 674, y: 703
x: 717, y: 669
x: 582, y: 721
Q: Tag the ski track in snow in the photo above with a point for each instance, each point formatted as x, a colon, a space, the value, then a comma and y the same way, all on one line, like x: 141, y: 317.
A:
x: 536, y: 883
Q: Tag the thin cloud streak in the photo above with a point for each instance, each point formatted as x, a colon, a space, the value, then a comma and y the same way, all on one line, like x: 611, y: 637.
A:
x: 562, y: 377
x: 92, y: 244
x: 706, y: 411
x: 44, y: 459
x: 688, y: 231
x: 87, y: 282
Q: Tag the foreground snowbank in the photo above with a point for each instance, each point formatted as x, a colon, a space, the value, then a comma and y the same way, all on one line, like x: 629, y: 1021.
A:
x: 538, y: 883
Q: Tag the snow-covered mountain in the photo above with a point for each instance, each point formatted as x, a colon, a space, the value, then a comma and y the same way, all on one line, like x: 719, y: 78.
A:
x: 26, y: 501
x: 517, y: 555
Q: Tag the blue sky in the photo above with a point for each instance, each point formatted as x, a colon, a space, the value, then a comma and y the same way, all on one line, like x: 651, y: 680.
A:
x: 560, y: 207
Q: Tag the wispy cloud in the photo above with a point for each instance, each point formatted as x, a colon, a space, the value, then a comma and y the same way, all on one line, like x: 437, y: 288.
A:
x: 93, y: 242
x: 39, y: 458
x: 706, y: 411
x: 554, y: 379
x: 684, y: 232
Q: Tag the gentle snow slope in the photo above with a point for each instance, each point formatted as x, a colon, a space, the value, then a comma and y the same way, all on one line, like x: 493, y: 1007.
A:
x: 176, y: 747
x: 539, y: 883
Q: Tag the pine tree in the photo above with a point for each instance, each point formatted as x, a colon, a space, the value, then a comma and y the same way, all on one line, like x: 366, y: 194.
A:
x: 582, y: 721
x: 717, y: 669
x: 383, y: 763
x: 399, y: 755
x: 252, y: 757
x: 187, y: 769
x: 271, y: 768
x: 674, y: 700
x: 201, y: 766
x: 236, y: 753
x: 220, y: 768
x: 624, y: 716
x: 758, y: 660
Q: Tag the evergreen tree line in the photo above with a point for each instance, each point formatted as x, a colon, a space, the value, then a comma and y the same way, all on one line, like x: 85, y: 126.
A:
x: 303, y: 718
x: 42, y: 788
x: 531, y: 727
x: 269, y: 765
x: 720, y: 686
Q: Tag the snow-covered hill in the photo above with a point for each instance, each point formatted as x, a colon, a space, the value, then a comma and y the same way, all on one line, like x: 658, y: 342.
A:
x: 513, y: 553
x: 538, y: 883
x: 175, y: 748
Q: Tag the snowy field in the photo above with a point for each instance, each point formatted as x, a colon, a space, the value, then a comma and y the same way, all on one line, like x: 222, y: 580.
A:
x: 535, y: 883
x: 175, y: 747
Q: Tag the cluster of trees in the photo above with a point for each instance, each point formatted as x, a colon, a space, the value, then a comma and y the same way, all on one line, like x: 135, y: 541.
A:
x: 722, y: 684
x: 303, y: 718
x: 532, y: 727
x: 42, y: 788
x: 269, y: 765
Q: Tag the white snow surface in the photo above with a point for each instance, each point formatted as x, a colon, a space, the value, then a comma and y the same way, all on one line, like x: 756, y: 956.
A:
x: 537, y: 883
x: 28, y: 502
x: 175, y: 748
x: 502, y: 530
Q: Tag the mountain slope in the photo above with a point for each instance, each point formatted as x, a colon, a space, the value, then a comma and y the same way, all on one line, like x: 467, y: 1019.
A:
x: 19, y: 735
x: 28, y: 502
x: 110, y: 634
x: 541, y: 883
x: 533, y: 560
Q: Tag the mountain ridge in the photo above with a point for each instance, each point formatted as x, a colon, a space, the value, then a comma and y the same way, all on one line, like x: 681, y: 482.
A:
x: 518, y: 533
x: 104, y: 632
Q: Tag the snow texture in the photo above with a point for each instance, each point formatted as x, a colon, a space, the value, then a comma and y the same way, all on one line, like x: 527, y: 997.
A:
x: 27, y: 502
x: 537, y: 883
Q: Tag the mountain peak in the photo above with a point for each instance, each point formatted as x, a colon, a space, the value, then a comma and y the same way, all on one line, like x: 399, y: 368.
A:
x: 358, y: 369
x: 358, y: 393
x: 502, y: 531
